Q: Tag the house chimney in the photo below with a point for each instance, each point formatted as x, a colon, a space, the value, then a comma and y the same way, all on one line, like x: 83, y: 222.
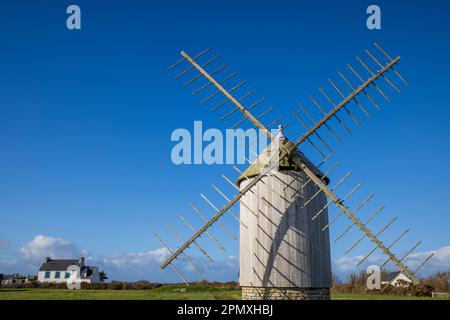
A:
x: 81, y: 260
x: 46, y: 259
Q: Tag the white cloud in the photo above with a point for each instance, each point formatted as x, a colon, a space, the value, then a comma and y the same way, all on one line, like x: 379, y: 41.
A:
x: 146, y: 265
x: 135, y: 266
x: 119, y: 266
x: 439, y: 262
x: 137, y: 259
x: 225, y: 269
x: 346, y: 265
x: 44, y: 246
x: 30, y: 256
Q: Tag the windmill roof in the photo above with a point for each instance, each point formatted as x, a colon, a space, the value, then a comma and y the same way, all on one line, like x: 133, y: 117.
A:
x: 260, y: 164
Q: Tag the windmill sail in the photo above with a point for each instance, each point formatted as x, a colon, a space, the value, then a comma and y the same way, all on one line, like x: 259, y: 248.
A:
x: 289, y: 150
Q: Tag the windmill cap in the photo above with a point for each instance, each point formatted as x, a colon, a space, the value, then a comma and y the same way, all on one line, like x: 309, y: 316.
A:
x: 258, y: 167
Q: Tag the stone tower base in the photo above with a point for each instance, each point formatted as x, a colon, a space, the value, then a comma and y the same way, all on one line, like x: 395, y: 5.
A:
x: 261, y: 293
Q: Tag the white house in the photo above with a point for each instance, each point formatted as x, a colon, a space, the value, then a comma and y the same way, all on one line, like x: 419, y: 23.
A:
x: 395, y: 279
x: 55, y: 271
x: 8, y: 279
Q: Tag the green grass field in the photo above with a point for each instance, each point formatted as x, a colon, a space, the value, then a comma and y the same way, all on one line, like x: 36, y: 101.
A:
x: 166, y: 292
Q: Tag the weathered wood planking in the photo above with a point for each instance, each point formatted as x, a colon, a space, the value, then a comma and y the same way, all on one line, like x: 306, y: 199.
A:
x: 282, y: 247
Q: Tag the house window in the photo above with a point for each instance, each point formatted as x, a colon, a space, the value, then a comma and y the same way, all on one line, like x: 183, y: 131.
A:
x: 47, y: 274
x: 57, y: 274
x: 67, y: 275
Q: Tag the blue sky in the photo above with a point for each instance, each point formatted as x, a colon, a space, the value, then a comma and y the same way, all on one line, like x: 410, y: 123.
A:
x: 86, y: 118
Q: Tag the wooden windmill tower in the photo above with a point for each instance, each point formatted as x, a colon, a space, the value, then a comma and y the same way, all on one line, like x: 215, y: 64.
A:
x: 283, y: 197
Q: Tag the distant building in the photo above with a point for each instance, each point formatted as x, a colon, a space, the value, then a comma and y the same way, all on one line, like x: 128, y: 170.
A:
x: 8, y: 279
x: 55, y: 271
x: 396, y: 279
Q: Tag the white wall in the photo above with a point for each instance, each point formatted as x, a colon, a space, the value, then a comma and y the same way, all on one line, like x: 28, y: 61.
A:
x: 400, y: 276
x: 41, y: 277
x: 61, y: 279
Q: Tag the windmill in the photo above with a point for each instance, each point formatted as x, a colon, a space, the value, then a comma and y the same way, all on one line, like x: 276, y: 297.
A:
x: 283, y: 197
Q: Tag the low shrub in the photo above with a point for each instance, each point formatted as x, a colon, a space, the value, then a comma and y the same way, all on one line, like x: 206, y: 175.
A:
x: 94, y: 286
x: 115, y: 285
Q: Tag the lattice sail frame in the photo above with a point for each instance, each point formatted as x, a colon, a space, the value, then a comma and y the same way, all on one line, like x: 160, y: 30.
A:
x: 289, y: 150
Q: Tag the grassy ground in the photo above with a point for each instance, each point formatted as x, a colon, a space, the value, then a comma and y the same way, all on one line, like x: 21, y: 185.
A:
x: 166, y: 292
